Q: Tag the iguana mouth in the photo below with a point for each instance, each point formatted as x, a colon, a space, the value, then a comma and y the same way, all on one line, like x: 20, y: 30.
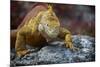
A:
x: 52, y: 33
x: 49, y: 36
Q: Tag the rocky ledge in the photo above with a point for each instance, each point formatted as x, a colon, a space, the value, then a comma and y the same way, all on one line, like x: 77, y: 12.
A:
x: 57, y: 53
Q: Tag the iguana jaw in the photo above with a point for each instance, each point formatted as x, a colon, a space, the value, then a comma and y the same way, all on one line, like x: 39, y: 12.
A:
x: 52, y: 33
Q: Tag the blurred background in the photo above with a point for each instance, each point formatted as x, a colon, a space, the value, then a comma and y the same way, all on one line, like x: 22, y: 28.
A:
x: 79, y: 19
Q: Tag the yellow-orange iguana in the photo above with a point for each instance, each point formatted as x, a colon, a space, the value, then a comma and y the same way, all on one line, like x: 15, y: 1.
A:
x: 45, y: 26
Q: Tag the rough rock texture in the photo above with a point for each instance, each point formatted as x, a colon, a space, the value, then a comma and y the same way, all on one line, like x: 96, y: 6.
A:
x: 56, y: 53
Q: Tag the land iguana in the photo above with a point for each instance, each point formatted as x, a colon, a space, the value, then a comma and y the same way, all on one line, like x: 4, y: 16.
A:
x: 41, y: 28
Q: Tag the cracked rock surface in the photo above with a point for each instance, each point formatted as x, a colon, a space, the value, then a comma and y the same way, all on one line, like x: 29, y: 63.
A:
x: 57, y: 53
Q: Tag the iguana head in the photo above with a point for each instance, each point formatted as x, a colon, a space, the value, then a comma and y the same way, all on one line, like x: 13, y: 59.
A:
x: 49, y: 23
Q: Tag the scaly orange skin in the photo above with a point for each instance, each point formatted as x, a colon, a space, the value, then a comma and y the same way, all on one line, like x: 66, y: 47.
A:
x: 29, y: 33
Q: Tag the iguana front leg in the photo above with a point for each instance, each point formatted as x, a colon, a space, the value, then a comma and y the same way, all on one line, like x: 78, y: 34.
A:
x: 66, y: 35
x: 20, y: 45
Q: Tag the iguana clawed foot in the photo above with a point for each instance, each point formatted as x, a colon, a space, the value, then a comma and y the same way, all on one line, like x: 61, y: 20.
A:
x: 22, y: 53
x: 72, y: 47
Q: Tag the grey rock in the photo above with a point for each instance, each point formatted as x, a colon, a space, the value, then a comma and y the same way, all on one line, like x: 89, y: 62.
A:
x: 57, y: 53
